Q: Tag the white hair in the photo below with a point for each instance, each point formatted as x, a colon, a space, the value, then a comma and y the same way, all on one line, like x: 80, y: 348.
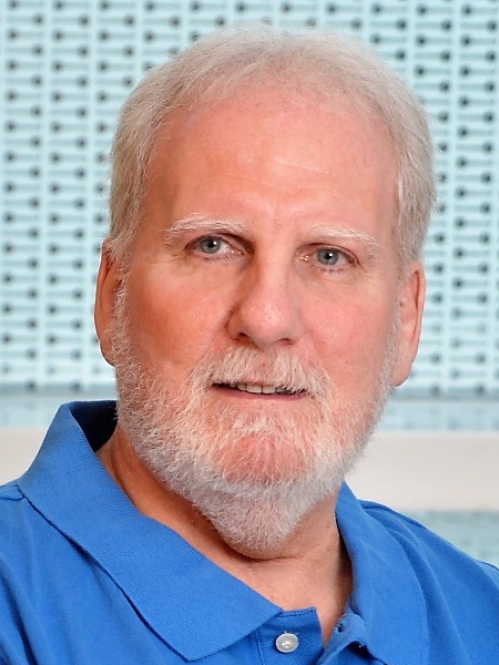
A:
x: 236, y: 60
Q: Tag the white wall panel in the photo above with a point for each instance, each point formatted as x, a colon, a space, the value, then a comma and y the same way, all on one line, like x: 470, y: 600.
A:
x: 65, y: 68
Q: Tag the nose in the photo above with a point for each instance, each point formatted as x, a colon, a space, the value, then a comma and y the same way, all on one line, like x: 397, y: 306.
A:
x: 267, y: 309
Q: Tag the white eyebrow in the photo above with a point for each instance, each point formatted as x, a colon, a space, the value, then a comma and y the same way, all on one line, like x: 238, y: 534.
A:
x: 199, y: 223
x: 328, y: 234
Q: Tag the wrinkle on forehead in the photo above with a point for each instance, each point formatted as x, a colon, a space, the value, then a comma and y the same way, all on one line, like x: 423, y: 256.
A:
x: 299, y: 165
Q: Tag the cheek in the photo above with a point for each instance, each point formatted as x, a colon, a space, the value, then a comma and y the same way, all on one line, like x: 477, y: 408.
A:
x: 354, y: 341
x: 174, y: 325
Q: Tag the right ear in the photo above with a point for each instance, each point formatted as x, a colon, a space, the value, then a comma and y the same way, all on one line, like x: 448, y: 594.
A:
x: 108, y: 283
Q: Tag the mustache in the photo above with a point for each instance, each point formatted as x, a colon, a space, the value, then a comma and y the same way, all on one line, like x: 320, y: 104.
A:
x: 277, y: 368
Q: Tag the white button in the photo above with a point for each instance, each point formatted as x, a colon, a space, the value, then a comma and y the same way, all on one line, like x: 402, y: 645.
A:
x: 287, y: 643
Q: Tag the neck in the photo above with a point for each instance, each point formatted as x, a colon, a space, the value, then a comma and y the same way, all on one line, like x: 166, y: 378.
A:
x: 310, y: 569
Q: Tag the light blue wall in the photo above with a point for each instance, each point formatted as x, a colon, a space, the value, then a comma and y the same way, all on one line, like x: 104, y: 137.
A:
x: 65, y: 67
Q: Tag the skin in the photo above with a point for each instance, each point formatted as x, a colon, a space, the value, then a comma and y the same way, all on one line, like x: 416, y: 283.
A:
x: 284, y: 217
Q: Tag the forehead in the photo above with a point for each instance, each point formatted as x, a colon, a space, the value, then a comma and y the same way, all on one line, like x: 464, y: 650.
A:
x: 272, y: 145
x: 288, y: 116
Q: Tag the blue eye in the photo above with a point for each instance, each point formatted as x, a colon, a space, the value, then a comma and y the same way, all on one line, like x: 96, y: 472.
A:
x: 210, y: 244
x: 328, y: 256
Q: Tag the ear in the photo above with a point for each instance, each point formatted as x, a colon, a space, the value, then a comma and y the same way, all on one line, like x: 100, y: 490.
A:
x: 108, y: 283
x: 411, y: 297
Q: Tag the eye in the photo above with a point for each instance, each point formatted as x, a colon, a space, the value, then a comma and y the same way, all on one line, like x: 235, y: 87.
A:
x: 211, y: 245
x: 215, y: 248
x: 329, y: 256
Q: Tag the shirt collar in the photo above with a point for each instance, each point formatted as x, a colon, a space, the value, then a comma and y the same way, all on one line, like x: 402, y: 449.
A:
x: 386, y: 591
x: 69, y: 486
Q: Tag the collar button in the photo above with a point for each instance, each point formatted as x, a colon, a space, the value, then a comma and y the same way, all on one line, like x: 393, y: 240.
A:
x: 287, y: 643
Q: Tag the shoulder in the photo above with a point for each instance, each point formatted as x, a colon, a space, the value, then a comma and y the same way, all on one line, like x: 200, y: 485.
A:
x: 437, y: 563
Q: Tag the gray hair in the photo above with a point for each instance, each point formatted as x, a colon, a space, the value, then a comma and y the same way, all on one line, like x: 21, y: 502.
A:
x: 313, y: 63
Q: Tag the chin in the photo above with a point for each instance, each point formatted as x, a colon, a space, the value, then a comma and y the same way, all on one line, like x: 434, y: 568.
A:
x: 263, y: 460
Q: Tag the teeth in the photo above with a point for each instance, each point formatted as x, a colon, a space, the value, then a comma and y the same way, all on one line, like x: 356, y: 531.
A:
x: 260, y: 390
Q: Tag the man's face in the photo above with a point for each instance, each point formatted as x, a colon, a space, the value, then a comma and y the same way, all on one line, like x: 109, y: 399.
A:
x: 268, y: 234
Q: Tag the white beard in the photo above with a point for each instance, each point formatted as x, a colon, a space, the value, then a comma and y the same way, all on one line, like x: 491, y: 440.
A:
x: 254, y: 473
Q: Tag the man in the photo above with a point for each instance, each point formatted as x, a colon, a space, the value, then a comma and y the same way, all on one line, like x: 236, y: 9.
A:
x: 260, y: 293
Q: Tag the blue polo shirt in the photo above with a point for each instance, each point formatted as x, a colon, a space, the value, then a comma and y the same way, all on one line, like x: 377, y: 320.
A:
x: 85, y: 578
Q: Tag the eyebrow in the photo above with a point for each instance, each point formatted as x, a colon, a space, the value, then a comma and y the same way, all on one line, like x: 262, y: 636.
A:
x: 198, y: 222
x: 332, y: 235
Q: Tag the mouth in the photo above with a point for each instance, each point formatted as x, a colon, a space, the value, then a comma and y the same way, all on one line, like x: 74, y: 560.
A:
x: 260, y: 389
